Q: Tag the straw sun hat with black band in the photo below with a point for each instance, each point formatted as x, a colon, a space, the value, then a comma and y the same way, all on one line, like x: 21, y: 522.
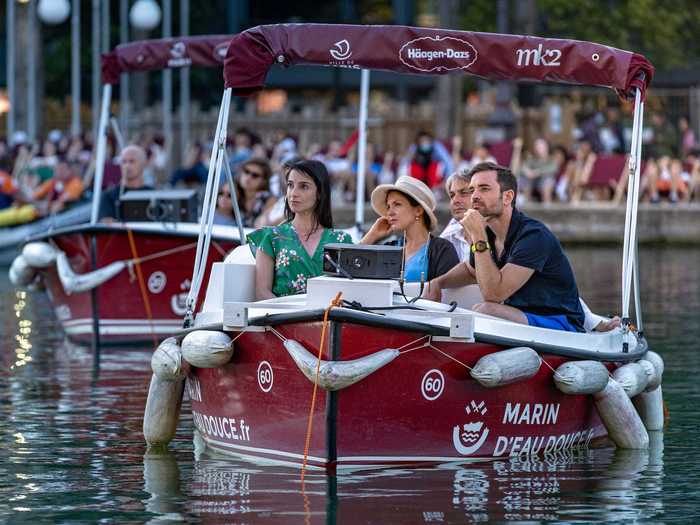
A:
x: 408, y: 186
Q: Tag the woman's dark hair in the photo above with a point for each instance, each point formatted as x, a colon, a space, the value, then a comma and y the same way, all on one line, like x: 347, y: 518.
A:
x: 264, y: 165
x: 318, y: 172
x: 413, y: 202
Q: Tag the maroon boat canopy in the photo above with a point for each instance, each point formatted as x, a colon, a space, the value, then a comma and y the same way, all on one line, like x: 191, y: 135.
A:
x: 431, y: 52
x: 149, y: 55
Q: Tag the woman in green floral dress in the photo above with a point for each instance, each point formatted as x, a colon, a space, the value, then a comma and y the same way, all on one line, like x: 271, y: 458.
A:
x: 289, y: 254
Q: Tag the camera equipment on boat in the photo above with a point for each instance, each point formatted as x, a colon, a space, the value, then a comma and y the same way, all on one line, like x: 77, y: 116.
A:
x: 159, y: 206
x: 363, y: 261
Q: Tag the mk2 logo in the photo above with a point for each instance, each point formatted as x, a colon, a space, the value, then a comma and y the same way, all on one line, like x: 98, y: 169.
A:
x: 538, y: 56
x: 341, y: 50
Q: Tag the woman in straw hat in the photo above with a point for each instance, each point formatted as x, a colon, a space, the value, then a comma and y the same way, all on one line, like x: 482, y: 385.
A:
x: 407, y: 209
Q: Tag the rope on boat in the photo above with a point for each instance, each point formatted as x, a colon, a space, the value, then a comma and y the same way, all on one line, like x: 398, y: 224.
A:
x: 334, y: 303
x: 44, y: 254
x: 142, y: 285
x: 428, y: 343
x: 277, y: 333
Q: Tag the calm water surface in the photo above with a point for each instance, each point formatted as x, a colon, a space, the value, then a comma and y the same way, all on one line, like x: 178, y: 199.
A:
x: 71, y: 449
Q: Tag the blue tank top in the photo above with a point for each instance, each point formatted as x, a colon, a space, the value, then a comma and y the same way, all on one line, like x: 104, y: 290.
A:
x: 416, y: 265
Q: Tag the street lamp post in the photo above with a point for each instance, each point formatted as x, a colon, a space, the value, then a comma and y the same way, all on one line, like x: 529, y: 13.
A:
x: 95, y: 67
x: 145, y: 15
x: 75, y: 69
x: 124, y: 78
x: 11, y: 68
x: 167, y: 88
x: 184, y: 82
x: 51, y: 12
x: 31, y: 73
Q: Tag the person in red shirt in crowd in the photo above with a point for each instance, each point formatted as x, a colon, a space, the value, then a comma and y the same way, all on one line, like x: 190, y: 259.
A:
x: 8, y: 188
x: 428, y: 164
x: 63, y: 188
x: 52, y: 196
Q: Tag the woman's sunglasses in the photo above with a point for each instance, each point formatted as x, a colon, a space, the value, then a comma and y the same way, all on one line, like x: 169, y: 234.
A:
x: 253, y: 174
x: 225, y: 194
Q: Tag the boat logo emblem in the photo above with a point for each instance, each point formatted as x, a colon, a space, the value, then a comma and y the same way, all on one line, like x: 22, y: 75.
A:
x: 178, y: 301
x: 265, y: 376
x: 432, y: 385
x: 178, y: 50
x: 341, y: 51
x: 156, y: 282
x: 469, y: 437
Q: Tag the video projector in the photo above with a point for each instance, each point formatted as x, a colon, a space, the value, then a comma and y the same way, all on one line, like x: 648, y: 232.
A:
x: 159, y: 206
x: 362, y: 261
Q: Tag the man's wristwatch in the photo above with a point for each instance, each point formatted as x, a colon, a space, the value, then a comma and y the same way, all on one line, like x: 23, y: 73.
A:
x: 480, y: 246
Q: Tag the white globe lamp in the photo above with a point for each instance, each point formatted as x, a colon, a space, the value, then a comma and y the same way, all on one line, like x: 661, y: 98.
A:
x: 145, y: 14
x: 53, y: 12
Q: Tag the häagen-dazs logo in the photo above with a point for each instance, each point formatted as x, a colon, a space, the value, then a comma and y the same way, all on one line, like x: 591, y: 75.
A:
x: 429, y: 54
x: 341, y: 50
x: 469, y: 437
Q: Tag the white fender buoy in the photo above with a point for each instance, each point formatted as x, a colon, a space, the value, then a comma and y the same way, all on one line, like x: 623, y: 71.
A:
x: 76, y: 283
x: 632, y: 377
x: 620, y: 418
x: 21, y: 273
x: 658, y: 363
x: 39, y: 254
x: 162, y: 410
x: 166, y: 361
x: 581, y: 377
x: 207, y: 348
x: 506, y: 367
x: 161, y: 479
x: 334, y: 375
x: 650, y: 407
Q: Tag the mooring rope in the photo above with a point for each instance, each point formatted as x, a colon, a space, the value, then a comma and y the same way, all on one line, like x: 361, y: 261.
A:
x: 335, y: 302
x: 142, y: 286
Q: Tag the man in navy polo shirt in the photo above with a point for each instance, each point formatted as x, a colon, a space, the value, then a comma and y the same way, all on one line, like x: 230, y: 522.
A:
x: 517, y: 261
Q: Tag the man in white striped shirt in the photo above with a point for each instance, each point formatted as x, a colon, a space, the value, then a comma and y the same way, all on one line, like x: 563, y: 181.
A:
x: 457, y: 187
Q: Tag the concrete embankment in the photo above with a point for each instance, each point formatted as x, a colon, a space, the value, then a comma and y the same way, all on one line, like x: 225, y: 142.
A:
x: 589, y: 222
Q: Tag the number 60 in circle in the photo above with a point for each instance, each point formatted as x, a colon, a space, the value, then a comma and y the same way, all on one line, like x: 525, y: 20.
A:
x: 432, y: 385
x: 265, y: 376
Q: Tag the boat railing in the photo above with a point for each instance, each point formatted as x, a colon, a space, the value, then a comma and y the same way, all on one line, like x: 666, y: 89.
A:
x: 236, y: 316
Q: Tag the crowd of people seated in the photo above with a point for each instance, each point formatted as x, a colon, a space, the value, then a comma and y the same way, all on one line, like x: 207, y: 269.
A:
x: 52, y: 175
x: 519, y: 266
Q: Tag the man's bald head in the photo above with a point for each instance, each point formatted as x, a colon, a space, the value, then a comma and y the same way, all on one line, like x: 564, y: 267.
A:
x: 133, y: 162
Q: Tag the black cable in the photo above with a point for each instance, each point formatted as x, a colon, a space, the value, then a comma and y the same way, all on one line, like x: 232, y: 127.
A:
x: 355, y: 305
x: 338, y: 268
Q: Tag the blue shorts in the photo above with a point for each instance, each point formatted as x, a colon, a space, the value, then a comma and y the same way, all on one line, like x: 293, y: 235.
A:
x: 553, y: 322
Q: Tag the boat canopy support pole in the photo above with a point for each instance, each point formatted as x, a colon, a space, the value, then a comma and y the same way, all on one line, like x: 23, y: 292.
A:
x: 629, y: 251
x: 637, y: 298
x: 361, y: 153
x: 209, y: 206
x: 234, y: 198
x: 100, y: 156
x: 117, y: 132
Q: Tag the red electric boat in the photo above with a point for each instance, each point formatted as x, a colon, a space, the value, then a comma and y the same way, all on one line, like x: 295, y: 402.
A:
x: 396, y: 381
x: 127, y: 310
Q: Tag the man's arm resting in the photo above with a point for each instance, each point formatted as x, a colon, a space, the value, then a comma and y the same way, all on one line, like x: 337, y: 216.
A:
x: 458, y: 276
x: 498, y: 285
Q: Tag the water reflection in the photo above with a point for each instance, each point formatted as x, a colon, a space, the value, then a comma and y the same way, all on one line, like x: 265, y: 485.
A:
x: 71, y: 448
x: 594, y: 485
x: 161, y: 479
